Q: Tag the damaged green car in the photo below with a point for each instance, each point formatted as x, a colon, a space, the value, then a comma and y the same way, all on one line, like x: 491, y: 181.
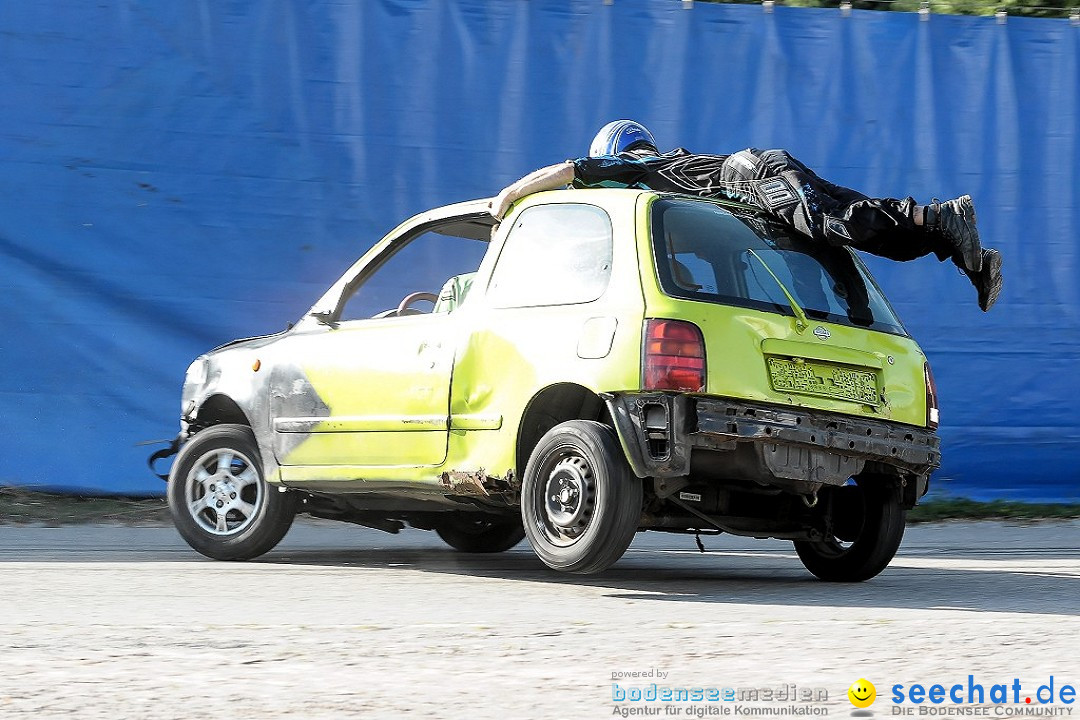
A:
x: 605, y: 362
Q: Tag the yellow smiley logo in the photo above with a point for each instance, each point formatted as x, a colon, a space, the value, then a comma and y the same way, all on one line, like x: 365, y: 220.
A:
x: 862, y: 693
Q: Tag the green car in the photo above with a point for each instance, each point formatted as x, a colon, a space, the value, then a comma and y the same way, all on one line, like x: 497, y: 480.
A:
x: 604, y: 362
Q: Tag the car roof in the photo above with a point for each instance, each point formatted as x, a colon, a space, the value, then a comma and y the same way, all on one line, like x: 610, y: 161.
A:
x: 483, y: 221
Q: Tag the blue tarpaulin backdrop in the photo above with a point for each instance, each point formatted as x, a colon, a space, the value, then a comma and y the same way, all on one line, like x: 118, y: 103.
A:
x: 174, y: 175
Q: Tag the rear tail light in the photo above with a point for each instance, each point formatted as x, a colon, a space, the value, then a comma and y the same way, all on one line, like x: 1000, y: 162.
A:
x: 931, y: 398
x: 674, y: 357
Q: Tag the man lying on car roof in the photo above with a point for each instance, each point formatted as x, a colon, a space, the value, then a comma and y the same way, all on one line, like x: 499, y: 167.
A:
x: 624, y: 154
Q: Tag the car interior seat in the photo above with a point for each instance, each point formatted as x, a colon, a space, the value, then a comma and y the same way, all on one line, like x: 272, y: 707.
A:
x: 683, y: 277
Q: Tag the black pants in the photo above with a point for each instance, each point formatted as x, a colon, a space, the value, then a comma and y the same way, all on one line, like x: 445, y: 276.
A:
x: 832, y: 213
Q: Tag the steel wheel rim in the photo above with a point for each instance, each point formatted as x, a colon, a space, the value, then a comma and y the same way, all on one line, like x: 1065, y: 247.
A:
x: 223, y: 492
x: 833, y: 547
x: 565, y: 496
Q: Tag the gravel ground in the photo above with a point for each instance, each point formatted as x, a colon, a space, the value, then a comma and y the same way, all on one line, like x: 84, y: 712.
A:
x: 341, y: 622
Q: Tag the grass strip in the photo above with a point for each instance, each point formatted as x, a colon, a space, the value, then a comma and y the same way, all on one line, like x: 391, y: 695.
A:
x: 963, y: 509
x: 20, y: 506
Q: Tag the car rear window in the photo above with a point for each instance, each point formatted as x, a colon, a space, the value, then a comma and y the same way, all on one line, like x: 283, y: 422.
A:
x: 709, y: 253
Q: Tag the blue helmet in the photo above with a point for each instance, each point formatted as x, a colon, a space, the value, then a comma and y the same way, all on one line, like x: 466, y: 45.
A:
x: 620, y: 136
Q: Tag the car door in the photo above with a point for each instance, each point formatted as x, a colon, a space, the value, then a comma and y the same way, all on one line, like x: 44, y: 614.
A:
x: 543, y: 317
x: 368, y: 385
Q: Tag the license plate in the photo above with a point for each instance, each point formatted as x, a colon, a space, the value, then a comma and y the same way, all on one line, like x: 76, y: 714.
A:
x: 824, y: 380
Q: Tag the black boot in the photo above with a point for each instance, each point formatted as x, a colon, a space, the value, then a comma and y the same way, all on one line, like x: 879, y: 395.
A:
x: 987, y: 280
x: 954, y: 220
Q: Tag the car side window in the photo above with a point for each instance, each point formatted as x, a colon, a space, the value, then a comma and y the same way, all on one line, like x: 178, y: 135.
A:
x: 554, y: 255
x: 423, y: 265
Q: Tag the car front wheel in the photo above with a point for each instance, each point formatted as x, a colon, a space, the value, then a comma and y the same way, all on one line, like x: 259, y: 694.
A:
x: 868, y: 521
x: 219, y: 501
x: 580, y: 503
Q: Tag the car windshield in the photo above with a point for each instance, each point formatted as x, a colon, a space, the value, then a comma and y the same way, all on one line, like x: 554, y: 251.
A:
x: 706, y: 252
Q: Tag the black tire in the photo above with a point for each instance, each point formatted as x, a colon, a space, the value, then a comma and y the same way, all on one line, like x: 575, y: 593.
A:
x: 480, y: 534
x: 219, y: 501
x: 589, y: 522
x: 864, y: 547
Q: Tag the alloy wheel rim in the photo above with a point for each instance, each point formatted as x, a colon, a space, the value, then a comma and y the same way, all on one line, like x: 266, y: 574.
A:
x: 223, y: 492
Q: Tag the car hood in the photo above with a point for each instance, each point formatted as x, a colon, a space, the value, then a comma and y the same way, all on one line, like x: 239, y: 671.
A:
x: 251, y: 343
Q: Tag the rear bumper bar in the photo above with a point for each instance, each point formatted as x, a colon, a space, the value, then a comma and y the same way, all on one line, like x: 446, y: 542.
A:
x: 659, y: 431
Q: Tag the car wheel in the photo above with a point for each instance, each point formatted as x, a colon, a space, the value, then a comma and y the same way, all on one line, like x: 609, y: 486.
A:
x: 580, y: 503
x: 868, y: 519
x: 480, y: 535
x: 219, y: 500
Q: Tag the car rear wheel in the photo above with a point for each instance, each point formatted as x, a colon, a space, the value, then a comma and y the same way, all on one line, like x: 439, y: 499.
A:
x: 580, y: 503
x: 868, y: 522
x: 219, y: 501
x: 480, y: 535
